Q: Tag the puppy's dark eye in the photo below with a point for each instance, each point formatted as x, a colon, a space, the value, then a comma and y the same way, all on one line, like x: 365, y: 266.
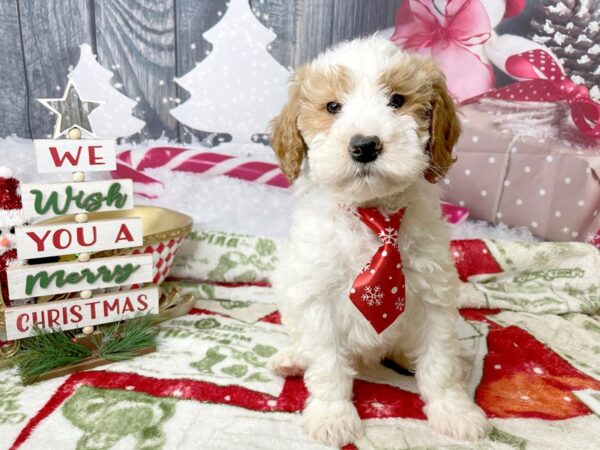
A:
x: 334, y: 107
x: 396, y: 101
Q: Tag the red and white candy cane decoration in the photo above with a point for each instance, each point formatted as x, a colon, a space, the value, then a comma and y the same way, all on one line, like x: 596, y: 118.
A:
x: 133, y: 164
x: 207, y: 163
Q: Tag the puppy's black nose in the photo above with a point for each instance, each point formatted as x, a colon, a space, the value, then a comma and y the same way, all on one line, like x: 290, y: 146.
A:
x: 365, y: 149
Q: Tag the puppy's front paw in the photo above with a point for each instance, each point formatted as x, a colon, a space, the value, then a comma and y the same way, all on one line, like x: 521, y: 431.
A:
x: 333, y: 423
x: 287, y: 363
x: 459, y: 419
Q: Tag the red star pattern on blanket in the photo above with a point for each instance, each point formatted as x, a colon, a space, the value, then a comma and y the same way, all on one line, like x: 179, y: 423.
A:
x: 521, y: 378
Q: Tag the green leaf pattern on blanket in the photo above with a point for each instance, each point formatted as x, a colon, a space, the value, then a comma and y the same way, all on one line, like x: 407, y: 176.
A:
x: 10, y: 407
x: 506, y: 440
x: 541, y: 255
x: 231, y: 260
x: 230, y: 362
x: 107, y: 416
x: 207, y: 291
x: 566, y: 278
x: 234, y: 304
x: 590, y: 298
x: 502, y: 437
x: 218, y: 256
x: 222, y: 350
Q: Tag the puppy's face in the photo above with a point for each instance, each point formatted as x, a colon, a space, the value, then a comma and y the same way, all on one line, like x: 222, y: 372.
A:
x: 370, y: 120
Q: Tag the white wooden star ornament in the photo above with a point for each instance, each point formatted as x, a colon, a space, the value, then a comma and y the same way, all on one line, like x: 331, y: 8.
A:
x: 72, y: 111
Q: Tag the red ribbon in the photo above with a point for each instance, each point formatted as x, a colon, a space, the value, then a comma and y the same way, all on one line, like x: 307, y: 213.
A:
x: 545, y: 82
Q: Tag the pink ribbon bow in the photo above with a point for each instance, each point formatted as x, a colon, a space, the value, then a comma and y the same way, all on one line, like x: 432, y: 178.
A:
x: 545, y: 82
x: 450, y: 40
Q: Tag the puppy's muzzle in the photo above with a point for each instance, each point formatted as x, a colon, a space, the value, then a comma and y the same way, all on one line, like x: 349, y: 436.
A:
x: 365, y: 149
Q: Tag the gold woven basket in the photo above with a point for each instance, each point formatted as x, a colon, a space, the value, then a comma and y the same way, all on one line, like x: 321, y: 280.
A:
x: 163, y: 230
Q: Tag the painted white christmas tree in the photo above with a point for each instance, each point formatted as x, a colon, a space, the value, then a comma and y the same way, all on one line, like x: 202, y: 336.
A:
x: 112, y: 119
x: 238, y: 87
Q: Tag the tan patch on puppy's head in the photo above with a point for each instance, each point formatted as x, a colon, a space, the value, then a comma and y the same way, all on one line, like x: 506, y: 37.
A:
x: 311, y: 89
x: 444, y: 131
x: 286, y: 140
x: 320, y: 86
x: 426, y: 99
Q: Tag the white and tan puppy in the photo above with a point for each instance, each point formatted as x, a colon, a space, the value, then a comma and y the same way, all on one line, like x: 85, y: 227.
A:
x: 368, y: 125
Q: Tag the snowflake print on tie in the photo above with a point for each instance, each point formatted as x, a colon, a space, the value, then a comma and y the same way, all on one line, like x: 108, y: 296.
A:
x: 399, y: 304
x: 378, y: 291
x: 372, y: 296
x: 389, y: 235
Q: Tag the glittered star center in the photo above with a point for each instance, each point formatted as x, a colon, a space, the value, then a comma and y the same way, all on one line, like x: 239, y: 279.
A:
x: 72, y: 111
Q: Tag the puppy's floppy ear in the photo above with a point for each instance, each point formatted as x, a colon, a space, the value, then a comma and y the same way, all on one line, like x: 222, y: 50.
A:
x: 286, y: 140
x: 444, y: 130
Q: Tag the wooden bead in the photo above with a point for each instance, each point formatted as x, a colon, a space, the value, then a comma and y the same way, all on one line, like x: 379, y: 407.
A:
x: 78, y: 177
x: 85, y: 294
x: 81, y: 218
x: 83, y: 257
x: 87, y: 330
x: 74, y: 133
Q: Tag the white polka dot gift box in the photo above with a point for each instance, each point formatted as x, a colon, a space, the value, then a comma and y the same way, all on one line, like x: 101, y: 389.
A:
x: 519, y: 164
x: 530, y: 151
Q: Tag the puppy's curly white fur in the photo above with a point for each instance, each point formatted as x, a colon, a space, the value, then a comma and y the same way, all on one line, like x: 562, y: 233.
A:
x: 396, y: 106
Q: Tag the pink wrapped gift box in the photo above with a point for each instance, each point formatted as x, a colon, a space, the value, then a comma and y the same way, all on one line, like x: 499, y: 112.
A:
x: 520, y: 165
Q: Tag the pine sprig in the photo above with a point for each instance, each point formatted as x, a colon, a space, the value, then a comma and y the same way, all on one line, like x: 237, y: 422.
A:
x: 118, y: 341
x: 45, y: 351
x: 121, y: 341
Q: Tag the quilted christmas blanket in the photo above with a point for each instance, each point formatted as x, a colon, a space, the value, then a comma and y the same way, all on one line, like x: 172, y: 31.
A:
x: 529, y: 338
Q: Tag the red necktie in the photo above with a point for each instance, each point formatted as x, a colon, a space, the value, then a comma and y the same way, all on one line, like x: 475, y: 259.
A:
x: 378, y: 291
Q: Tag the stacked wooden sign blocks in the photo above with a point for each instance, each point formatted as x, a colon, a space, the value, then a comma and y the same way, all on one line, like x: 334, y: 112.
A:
x: 82, y: 238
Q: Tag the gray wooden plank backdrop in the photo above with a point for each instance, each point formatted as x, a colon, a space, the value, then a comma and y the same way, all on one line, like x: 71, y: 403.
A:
x: 136, y: 39
x: 13, y: 89
x: 147, y: 43
x: 51, y: 32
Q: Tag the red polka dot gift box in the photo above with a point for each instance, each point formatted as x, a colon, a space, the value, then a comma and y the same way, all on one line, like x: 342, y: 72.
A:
x: 526, y: 164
